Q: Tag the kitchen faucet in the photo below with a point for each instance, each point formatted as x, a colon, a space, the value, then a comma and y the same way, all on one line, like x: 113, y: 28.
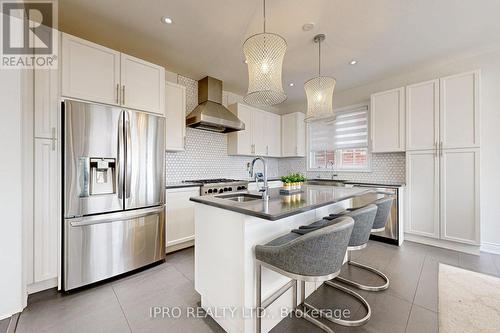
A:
x: 260, y: 176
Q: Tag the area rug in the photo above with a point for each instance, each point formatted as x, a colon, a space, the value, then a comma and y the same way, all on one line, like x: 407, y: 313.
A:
x: 468, y: 301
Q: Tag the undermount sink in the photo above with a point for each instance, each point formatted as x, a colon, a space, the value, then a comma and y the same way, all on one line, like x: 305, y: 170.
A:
x: 325, y: 182
x: 240, y: 197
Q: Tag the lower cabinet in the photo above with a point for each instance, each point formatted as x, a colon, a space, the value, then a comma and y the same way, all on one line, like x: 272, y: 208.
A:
x: 180, y: 218
x: 443, y: 194
x: 46, y: 212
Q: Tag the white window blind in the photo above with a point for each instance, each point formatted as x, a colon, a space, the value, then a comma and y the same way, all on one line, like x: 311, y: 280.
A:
x: 348, y: 130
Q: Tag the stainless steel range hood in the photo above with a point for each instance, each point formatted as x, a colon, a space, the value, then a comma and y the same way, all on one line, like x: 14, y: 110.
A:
x: 210, y: 114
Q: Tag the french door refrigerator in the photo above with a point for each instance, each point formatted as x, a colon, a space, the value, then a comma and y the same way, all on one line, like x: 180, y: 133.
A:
x: 114, y: 197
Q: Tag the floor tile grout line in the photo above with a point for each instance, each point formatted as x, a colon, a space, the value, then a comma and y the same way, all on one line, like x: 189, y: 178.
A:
x: 121, y: 308
x: 182, y: 273
x: 419, y: 278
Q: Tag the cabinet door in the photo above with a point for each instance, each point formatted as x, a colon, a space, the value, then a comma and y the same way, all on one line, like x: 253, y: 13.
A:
x: 175, y: 108
x: 259, y: 135
x: 460, y: 195
x: 422, y: 172
x: 143, y: 85
x: 46, y: 103
x: 388, y: 121
x: 459, y: 99
x: 293, y: 134
x: 422, y: 116
x: 180, y: 215
x: 273, y: 135
x: 90, y: 71
x: 46, y: 216
x: 241, y: 142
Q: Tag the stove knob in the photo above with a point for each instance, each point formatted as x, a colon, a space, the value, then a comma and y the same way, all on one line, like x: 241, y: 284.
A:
x: 230, y: 189
x: 225, y: 189
x: 221, y: 190
x: 210, y: 191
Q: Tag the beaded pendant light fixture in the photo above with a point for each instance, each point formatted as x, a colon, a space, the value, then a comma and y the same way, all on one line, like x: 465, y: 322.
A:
x: 264, y: 53
x: 319, y: 91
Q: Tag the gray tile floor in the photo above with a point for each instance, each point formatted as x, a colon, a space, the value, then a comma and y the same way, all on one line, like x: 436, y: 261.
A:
x: 123, y: 305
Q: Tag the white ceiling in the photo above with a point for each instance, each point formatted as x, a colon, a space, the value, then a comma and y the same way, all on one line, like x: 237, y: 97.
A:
x: 385, y: 36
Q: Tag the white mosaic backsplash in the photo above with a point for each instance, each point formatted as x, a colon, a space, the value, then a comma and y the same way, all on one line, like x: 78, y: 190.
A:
x: 206, y: 157
x: 386, y: 168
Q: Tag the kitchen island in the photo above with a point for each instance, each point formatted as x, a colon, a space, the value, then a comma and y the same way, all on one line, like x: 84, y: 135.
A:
x: 227, y: 228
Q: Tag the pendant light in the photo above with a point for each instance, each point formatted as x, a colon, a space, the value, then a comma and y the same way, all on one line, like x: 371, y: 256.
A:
x: 264, y: 53
x: 319, y: 91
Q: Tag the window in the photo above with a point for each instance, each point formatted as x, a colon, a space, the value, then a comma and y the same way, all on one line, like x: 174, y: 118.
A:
x: 340, y: 144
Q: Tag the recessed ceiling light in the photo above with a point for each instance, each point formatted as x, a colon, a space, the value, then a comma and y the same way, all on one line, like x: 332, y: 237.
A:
x: 291, y: 84
x: 353, y: 62
x: 245, y: 61
x: 166, y: 20
x: 308, y: 26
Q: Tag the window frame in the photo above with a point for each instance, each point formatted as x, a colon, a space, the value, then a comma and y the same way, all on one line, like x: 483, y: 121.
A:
x: 338, y: 155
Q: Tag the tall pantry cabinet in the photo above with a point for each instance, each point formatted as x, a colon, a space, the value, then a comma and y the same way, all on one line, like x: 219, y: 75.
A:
x: 442, y: 158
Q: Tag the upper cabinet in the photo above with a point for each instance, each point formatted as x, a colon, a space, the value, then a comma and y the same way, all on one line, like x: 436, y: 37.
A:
x: 95, y: 73
x: 90, y: 71
x: 459, y: 105
x: 388, y: 121
x: 46, y: 103
x: 443, y: 113
x: 293, y: 135
x: 175, y: 111
x: 142, y: 85
x: 261, y: 136
x: 422, y: 116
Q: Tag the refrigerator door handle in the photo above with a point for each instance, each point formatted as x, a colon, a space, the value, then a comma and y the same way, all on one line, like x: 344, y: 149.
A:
x: 121, y: 156
x: 128, y: 155
x: 112, y: 217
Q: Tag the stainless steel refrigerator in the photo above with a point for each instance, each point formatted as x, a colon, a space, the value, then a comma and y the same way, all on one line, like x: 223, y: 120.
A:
x: 114, y: 193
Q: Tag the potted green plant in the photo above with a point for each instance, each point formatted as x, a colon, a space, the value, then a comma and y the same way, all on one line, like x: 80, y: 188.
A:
x: 287, y: 184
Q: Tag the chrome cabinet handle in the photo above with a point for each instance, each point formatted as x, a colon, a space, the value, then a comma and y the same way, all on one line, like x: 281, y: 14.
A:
x: 267, y: 150
x: 441, y: 148
x: 117, y: 93
x: 123, y: 95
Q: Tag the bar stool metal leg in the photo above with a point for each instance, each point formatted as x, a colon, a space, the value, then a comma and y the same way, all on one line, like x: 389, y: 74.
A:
x: 305, y: 315
x: 368, y: 268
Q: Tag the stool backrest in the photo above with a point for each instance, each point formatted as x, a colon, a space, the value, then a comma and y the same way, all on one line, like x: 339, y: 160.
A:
x: 384, y: 206
x: 318, y: 253
x: 363, y: 224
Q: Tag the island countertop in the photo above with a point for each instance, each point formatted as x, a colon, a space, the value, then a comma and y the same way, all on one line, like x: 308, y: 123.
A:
x: 279, y: 206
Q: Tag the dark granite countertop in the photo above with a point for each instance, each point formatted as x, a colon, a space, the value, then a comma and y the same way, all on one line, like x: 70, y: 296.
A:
x: 367, y: 183
x: 280, y: 206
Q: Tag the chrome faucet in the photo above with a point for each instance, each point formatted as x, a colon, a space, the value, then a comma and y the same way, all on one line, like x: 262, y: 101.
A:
x: 260, y: 176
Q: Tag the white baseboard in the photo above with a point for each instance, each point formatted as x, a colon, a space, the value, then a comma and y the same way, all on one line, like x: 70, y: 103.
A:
x: 42, y: 285
x: 490, y: 248
x: 179, y: 246
x: 466, y: 248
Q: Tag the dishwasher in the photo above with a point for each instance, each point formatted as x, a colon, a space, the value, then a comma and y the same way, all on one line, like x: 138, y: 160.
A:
x: 393, y: 232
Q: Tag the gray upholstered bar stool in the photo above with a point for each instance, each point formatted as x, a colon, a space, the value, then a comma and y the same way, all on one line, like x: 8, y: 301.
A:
x: 314, y: 257
x: 384, y: 206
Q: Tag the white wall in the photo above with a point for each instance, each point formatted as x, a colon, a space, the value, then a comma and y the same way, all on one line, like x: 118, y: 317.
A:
x: 489, y: 63
x: 11, y: 263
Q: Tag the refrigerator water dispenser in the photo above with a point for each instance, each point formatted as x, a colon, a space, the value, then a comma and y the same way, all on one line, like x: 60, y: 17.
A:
x: 102, y: 176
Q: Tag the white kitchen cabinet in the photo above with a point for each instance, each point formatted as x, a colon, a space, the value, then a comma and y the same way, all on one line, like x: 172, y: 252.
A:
x: 46, y: 214
x: 175, y: 111
x: 459, y: 106
x: 180, y: 217
x: 90, y: 71
x: 422, y: 172
x: 422, y: 116
x: 142, y: 85
x: 46, y: 103
x: 460, y: 195
x: 387, y: 120
x: 272, y: 124
x: 96, y: 73
x: 240, y: 142
x: 293, y: 135
x: 261, y: 136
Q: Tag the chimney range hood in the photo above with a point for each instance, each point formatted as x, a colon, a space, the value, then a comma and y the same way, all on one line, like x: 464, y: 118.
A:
x: 210, y: 114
